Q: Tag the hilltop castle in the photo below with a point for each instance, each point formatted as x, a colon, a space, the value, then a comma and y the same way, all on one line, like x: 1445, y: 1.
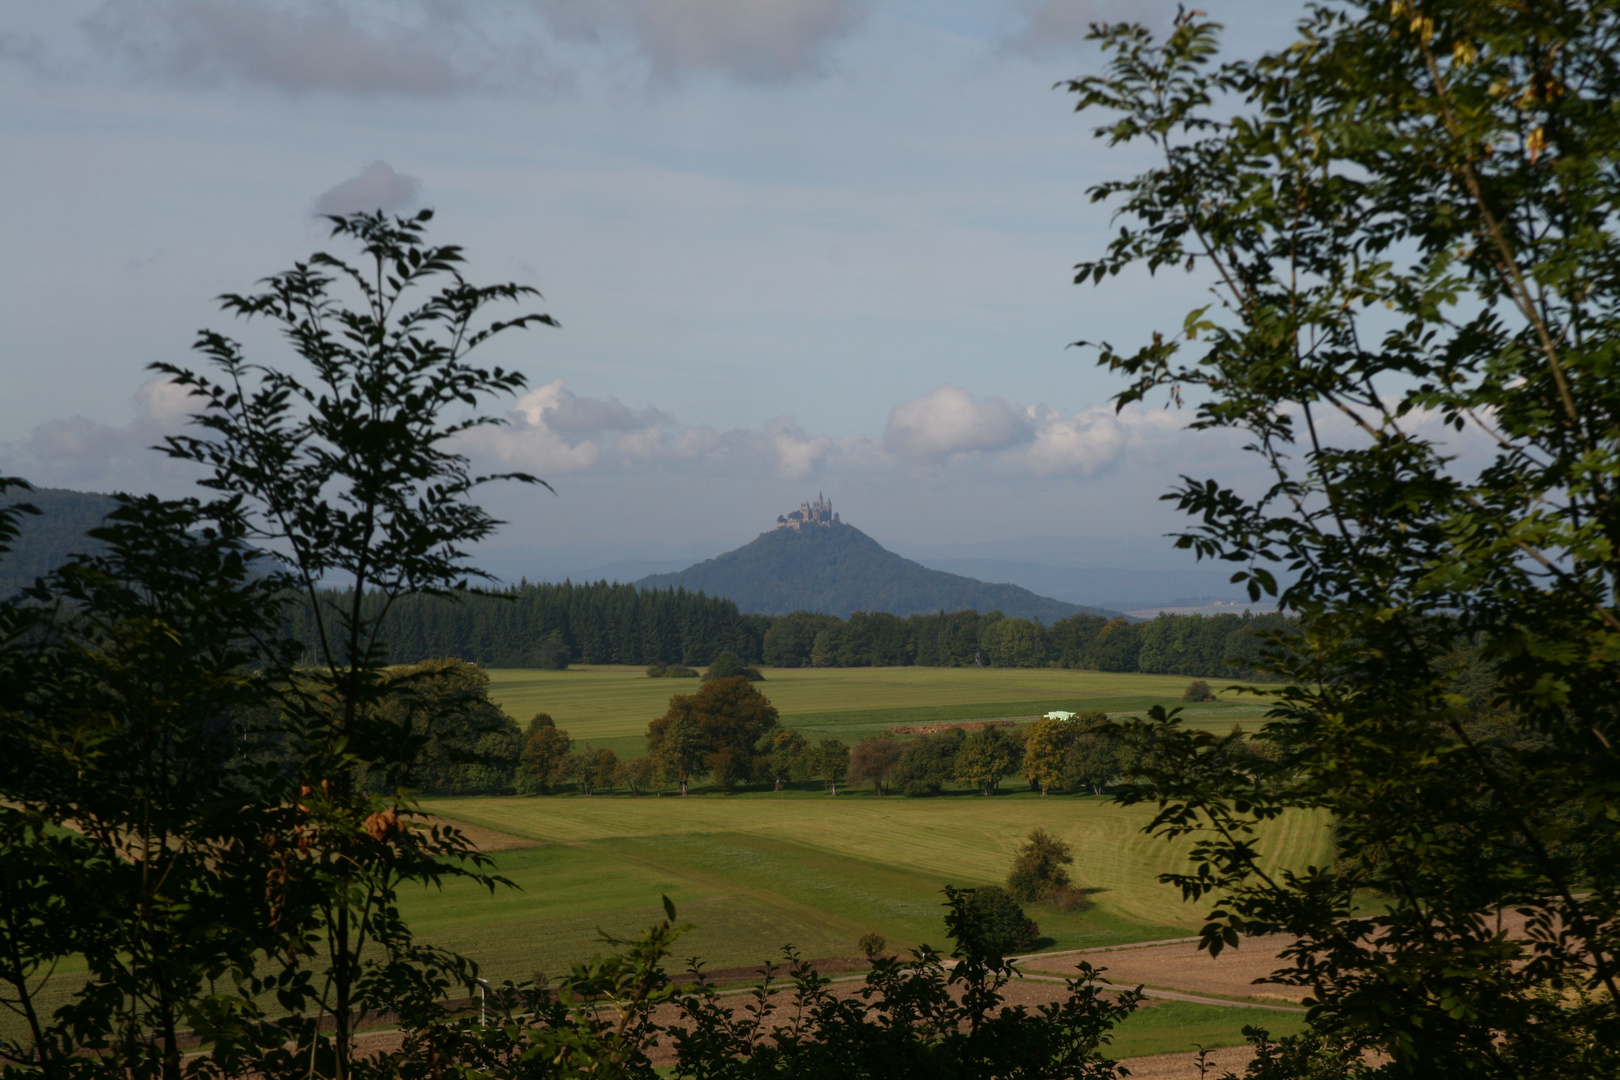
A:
x: 819, y: 512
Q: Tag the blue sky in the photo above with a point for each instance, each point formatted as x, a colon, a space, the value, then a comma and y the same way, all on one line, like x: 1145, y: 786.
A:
x: 795, y: 245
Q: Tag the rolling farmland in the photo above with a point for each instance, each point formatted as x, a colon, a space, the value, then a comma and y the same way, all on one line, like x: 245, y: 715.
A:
x: 610, y: 706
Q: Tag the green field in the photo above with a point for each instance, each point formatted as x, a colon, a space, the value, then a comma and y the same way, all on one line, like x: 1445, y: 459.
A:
x: 1171, y: 1027
x: 610, y: 706
x: 759, y: 870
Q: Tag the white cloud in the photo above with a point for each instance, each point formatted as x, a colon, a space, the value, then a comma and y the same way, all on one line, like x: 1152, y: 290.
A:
x: 1083, y: 444
x: 561, y: 410
x: 950, y: 421
x: 76, y: 452
x: 553, y: 432
x: 376, y: 187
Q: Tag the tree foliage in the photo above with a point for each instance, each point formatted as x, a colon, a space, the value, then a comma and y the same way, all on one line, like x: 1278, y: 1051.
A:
x: 546, y: 747
x: 1039, y: 867
x: 874, y: 758
x: 986, y: 756
x: 713, y: 730
x: 1409, y: 220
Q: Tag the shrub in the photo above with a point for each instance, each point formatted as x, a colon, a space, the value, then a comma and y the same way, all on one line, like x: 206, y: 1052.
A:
x: 671, y: 671
x: 1198, y: 690
x: 728, y: 665
x: 989, y: 924
x: 1066, y: 898
x: 1038, y: 868
x: 872, y: 944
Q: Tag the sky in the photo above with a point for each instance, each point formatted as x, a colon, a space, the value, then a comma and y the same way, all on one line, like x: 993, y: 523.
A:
x: 795, y: 246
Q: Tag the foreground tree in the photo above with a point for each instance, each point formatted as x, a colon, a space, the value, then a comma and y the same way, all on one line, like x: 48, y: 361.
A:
x: 132, y: 811
x: 349, y: 471
x: 1411, y: 231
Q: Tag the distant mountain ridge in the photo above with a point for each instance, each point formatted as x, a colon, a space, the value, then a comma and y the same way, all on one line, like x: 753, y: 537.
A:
x: 814, y: 562
x: 48, y: 538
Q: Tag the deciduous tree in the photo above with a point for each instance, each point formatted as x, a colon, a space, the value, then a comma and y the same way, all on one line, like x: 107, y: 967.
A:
x: 1039, y: 866
x: 545, y: 752
x: 1046, y: 743
x: 828, y: 760
x: 1408, y: 219
x: 873, y: 758
x: 987, y: 755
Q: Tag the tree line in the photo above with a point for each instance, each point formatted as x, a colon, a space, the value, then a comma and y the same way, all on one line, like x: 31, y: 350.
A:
x: 551, y: 625
x: 729, y: 732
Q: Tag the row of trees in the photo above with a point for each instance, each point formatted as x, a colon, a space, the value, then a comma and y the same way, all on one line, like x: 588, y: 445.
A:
x: 729, y: 732
x: 554, y: 625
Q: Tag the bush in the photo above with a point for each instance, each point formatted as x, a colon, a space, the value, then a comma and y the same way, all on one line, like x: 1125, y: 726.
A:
x: 671, y: 671
x: 728, y: 665
x: 989, y: 924
x: 871, y: 944
x: 1198, y: 690
x: 1038, y: 868
x: 1066, y: 898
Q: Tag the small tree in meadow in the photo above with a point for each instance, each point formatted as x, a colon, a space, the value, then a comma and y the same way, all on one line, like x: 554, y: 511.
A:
x: 829, y: 761
x: 1038, y: 868
x: 545, y: 753
x: 1198, y: 690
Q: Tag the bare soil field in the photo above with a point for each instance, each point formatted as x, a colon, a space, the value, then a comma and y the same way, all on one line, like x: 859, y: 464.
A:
x: 1185, y: 1066
x: 480, y: 837
x: 1181, y: 966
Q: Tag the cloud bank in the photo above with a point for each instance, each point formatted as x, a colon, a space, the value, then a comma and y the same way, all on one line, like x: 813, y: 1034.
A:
x: 438, y: 48
x: 552, y: 430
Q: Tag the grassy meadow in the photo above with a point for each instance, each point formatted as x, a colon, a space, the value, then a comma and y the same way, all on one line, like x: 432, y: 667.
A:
x: 610, y: 705
x: 758, y: 870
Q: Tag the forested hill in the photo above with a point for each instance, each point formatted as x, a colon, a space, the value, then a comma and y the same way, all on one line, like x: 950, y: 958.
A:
x: 550, y: 626
x: 48, y: 538
x: 838, y: 570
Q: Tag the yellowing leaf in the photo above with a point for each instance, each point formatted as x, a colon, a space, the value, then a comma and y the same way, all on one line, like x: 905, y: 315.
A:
x: 1536, y: 143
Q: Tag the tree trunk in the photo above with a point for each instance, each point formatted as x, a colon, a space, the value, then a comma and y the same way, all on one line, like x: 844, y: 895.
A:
x: 683, y: 785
